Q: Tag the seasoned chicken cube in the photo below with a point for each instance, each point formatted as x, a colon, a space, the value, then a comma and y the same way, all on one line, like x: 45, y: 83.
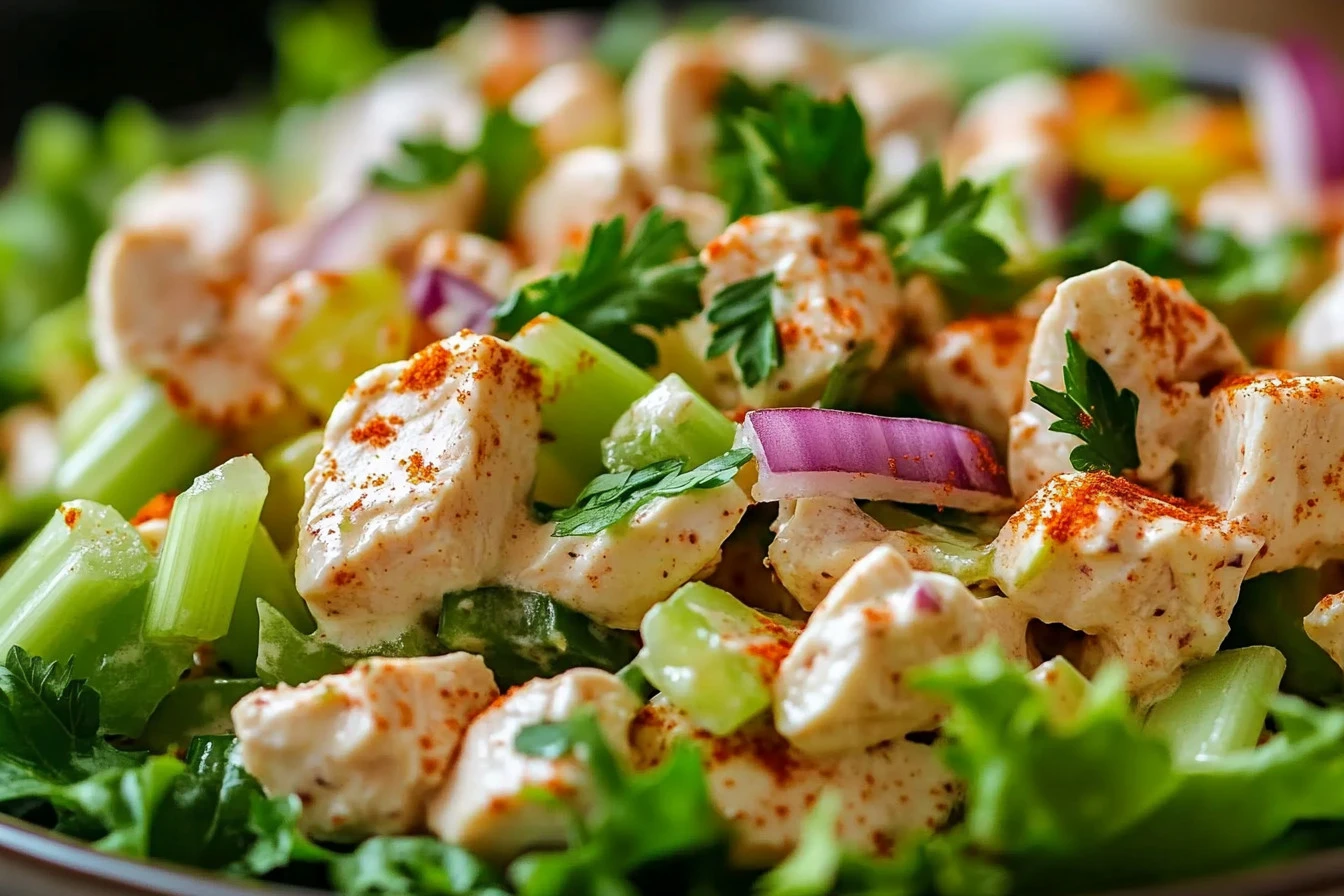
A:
x: 1246, y: 205
x: 841, y: 686
x: 670, y: 101
x: 765, y: 788
x: 1325, y: 625
x: 365, y: 749
x: 769, y: 51
x: 571, y: 104
x: 488, y: 803
x: 1152, y: 338
x: 834, y: 288
x: 1314, y: 343
x: 971, y: 371
x: 423, y: 465
x: 1272, y: 455
x: 577, y: 190
x: 704, y: 214
x: 911, y: 93
x: 1151, y: 579
x: 489, y: 264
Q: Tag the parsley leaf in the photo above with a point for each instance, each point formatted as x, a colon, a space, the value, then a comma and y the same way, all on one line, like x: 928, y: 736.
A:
x: 277, y: 840
x: 783, y: 147
x: 1091, y: 409
x: 743, y: 316
x: 612, y: 497
x: 124, y: 802
x: 424, y: 162
x: 935, y: 230
x: 616, y: 289
x: 845, y: 384
x: 414, y: 866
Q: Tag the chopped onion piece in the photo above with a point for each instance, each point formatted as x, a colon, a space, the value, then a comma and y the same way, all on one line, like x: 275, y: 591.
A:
x: 1296, y: 94
x: 449, y: 302
x: 804, y: 452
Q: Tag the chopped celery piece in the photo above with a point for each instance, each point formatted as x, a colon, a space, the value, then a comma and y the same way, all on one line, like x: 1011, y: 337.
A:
x: 201, y: 564
x: 288, y: 656
x: 86, y: 560
x: 197, y: 706
x: 713, y: 656
x: 1219, y: 706
x: 633, y: 677
x: 1064, y: 686
x: 962, y: 552
x: 524, y: 635
x: 86, y: 410
x: 141, y: 448
x: 585, y: 389
x: 269, y: 576
x: 361, y: 322
x: 62, y: 351
x: 288, y: 464
x: 669, y: 421
x: 1269, y: 611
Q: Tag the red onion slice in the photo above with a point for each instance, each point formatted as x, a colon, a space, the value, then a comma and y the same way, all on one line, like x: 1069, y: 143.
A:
x: 805, y: 452
x: 449, y: 302
x: 1296, y: 95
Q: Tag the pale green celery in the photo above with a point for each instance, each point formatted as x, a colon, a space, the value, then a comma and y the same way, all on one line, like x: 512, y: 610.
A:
x: 1064, y: 687
x: 1220, y: 705
x: 141, y: 448
x: 669, y: 421
x: 197, y: 706
x: 1269, y: 611
x: 585, y: 389
x: 288, y: 464
x: 967, y: 555
x: 269, y: 576
x: 21, y: 514
x: 361, y: 322
x: 62, y: 351
x: 91, y: 405
x: 634, y: 678
x: 713, y: 656
x: 209, y: 537
x: 288, y: 656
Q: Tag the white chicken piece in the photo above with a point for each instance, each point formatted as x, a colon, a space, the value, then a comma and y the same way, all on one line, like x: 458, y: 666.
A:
x: 841, y: 686
x: 834, y: 288
x: 670, y: 99
x: 1325, y: 625
x: 908, y: 101
x: 577, y: 190
x: 1272, y: 455
x: 155, y: 310
x: 971, y: 371
x: 704, y: 214
x: 29, y: 448
x: 769, y: 51
x: 219, y: 203
x: 766, y: 788
x: 423, y: 463
x: 1151, y: 579
x: 503, y: 52
x: 364, y: 750
x: 1246, y: 205
x: 1314, y: 343
x: 1151, y: 337
x: 489, y: 264
x: 571, y: 104
x: 487, y: 803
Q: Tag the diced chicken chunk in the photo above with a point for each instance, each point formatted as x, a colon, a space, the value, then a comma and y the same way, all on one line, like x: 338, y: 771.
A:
x: 29, y: 448
x: 1152, y: 579
x: 670, y: 98
x: 219, y: 203
x: 971, y: 371
x: 504, y: 52
x: 487, y: 804
x: 422, y: 467
x: 1246, y: 205
x: 766, y: 788
x: 489, y: 264
x: 704, y: 214
x: 365, y: 749
x: 908, y: 101
x: 1152, y: 338
x: 841, y: 686
x: 571, y: 104
x: 1325, y: 625
x: 1314, y: 343
x: 1272, y: 455
x: 834, y: 288
x: 576, y: 191
x: 769, y: 51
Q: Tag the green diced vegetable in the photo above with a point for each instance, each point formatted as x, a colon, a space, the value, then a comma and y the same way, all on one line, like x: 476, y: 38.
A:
x: 634, y: 678
x: 197, y: 706
x: 1220, y: 705
x: 210, y: 534
x: 1269, y: 611
x: 268, y: 576
x: 670, y: 421
x: 585, y: 389
x: 712, y: 655
x: 524, y: 635
x: 87, y: 409
x: 62, y: 351
x: 143, y: 447
x: 960, y: 552
x: 1064, y: 686
x: 287, y: 655
x: 288, y: 465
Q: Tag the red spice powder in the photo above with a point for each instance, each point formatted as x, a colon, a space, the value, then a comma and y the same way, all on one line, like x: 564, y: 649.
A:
x: 71, y: 516
x: 418, y: 469
x: 1070, y: 510
x: 377, y: 431
x: 156, y: 508
x: 427, y: 370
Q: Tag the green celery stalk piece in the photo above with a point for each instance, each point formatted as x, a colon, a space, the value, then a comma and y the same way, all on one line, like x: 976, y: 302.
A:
x: 95, y: 401
x: 210, y: 533
x: 142, y: 447
x: 964, y: 554
x: 712, y: 655
x: 288, y: 465
x: 362, y: 323
x: 196, y: 707
x: 62, y: 351
x: 268, y: 576
x: 1269, y: 611
x: 1220, y: 705
x: 671, y: 420
x: 585, y: 389
x: 1064, y: 687
x: 286, y: 655
x: 524, y: 635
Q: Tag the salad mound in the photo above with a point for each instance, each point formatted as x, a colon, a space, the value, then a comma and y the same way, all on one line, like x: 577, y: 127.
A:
x: 679, y: 456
